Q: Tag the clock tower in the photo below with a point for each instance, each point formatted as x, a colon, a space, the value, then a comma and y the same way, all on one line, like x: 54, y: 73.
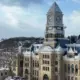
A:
x: 54, y: 26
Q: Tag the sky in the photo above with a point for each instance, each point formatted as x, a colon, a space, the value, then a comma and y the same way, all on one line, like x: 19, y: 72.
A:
x: 27, y: 18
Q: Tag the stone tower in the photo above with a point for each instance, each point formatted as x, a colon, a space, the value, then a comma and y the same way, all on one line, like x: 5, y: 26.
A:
x: 54, y: 26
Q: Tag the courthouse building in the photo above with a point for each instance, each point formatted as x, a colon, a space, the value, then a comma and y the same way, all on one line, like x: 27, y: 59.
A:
x: 55, y: 59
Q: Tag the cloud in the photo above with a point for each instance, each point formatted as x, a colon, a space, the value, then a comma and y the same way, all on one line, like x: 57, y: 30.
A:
x: 72, y: 22
x: 77, y: 1
x: 16, y: 15
x: 22, y: 3
x: 18, y: 21
x: 28, y: 18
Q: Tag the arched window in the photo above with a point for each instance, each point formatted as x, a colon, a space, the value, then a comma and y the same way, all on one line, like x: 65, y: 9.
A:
x: 72, y: 68
x: 45, y: 77
x: 68, y: 68
x: 76, y: 68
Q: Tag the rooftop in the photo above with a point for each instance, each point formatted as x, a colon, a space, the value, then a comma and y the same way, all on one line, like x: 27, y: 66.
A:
x: 54, y: 8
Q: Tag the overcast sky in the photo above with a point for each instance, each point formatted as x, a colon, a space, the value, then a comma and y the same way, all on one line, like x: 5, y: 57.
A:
x: 28, y: 17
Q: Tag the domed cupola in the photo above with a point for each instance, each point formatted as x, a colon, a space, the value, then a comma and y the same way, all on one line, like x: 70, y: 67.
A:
x: 71, y: 52
x: 59, y: 50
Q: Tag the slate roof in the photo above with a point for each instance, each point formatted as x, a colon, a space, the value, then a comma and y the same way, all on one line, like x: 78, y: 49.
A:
x: 62, y: 42
x: 54, y: 8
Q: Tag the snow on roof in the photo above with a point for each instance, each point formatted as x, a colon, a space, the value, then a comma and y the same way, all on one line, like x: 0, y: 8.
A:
x: 75, y: 51
x: 59, y: 49
x: 73, y: 45
x: 27, y: 53
x: 2, y: 68
x: 37, y: 44
x: 36, y: 49
x: 75, y: 58
x: 70, y: 51
x: 46, y: 49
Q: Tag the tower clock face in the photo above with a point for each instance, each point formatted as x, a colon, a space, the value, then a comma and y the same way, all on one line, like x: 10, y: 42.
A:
x: 49, y: 19
x: 58, y: 19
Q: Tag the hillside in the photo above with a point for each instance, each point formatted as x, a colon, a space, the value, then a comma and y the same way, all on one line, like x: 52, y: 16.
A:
x: 14, y: 42
x: 27, y: 41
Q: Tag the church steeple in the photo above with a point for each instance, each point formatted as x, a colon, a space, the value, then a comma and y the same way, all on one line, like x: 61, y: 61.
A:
x: 54, y: 8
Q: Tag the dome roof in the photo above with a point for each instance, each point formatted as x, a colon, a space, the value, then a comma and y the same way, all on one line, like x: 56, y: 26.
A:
x: 59, y: 49
x: 46, y: 49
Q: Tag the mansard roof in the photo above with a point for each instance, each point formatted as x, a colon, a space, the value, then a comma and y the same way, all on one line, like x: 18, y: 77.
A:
x: 54, y: 8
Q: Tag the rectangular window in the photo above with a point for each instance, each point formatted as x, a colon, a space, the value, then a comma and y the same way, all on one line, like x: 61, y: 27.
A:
x: 14, y: 69
x: 36, y: 64
x: 33, y: 72
x: 56, y: 62
x: 43, y: 68
x: 56, y: 69
x: 1, y: 74
x: 46, y: 62
x: 26, y: 64
x: 68, y: 77
x: 46, y: 68
x: 76, y: 78
x: 72, y: 78
x: 37, y: 73
x: 56, y: 77
x: 46, y: 56
x: 33, y: 63
x: 65, y: 68
x: 5, y: 73
x: 26, y: 59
